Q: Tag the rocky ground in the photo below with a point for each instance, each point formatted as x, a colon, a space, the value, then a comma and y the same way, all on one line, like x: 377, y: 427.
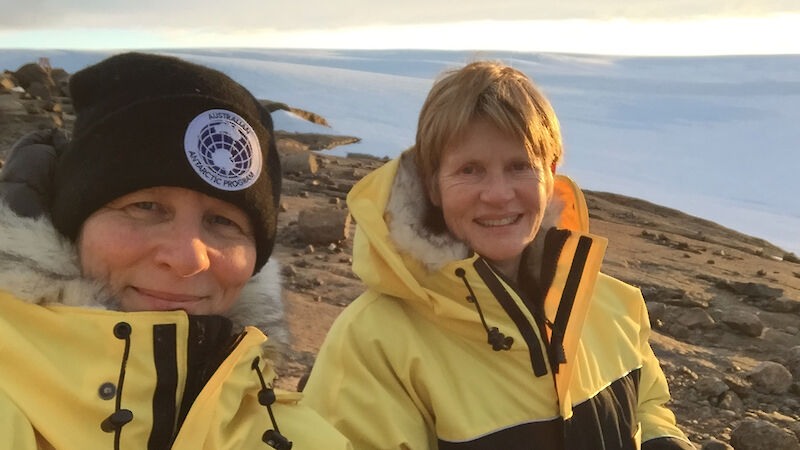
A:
x: 725, y: 307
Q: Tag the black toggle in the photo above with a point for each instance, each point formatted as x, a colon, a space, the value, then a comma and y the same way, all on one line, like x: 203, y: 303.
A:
x: 498, y: 340
x: 120, y: 417
x: 116, y: 420
x: 276, y: 440
x: 107, y: 391
x: 122, y: 330
x: 266, y: 397
x: 495, y: 338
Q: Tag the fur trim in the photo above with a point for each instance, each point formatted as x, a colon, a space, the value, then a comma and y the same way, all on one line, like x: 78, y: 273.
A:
x: 261, y: 305
x: 407, y: 206
x: 38, y: 265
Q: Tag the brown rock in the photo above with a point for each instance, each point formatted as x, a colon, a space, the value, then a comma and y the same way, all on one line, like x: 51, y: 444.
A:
x: 743, y: 322
x: 37, y: 89
x: 731, y: 402
x: 656, y: 311
x: 323, y: 226
x: 793, y: 361
x: 7, y: 81
x: 783, y: 304
x: 754, y: 434
x: 738, y: 385
x: 770, y: 378
x: 711, y: 387
x: 288, y: 145
x: 61, y: 79
x: 695, y: 318
x: 299, y: 162
x: 713, y: 444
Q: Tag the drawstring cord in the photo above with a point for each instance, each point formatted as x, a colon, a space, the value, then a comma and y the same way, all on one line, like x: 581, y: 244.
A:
x: 120, y: 417
x: 495, y: 338
x: 266, y: 397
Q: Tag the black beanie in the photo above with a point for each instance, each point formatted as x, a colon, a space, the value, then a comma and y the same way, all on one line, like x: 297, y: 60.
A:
x: 148, y: 120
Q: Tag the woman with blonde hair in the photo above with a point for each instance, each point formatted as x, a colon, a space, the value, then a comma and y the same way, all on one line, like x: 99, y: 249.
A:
x: 486, y: 323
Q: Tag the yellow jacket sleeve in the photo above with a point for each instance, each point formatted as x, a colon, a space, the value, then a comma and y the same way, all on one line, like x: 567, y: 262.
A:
x: 357, y: 388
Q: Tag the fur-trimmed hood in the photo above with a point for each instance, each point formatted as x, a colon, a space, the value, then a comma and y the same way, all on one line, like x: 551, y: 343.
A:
x: 38, y: 265
x: 390, y: 207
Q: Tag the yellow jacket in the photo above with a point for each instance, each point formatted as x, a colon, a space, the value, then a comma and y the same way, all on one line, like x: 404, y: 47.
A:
x: 412, y: 364
x: 74, y: 375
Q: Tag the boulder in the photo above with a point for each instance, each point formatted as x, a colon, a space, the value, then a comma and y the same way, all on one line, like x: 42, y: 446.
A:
x: 770, y: 378
x: 753, y: 434
x: 749, y: 289
x: 743, y: 322
x: 662, y: 294
x: 31, y: 73
x: 713, y: 444
x: 731, y: 402
x: 323, y: 226
x: 793, y: 361
x: 783, y: 304
x: 711, y: 387
x: 37, y: 89
x: 299, y: 162
x: 656, y: 311
x: 61, y: 79
x: 780, y: 338
x: 738, y: 385
x: 695, y: 318
x: 7, y: 82
x: 288, y: 145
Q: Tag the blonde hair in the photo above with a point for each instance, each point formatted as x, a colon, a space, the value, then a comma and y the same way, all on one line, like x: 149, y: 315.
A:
x: 486, y: 90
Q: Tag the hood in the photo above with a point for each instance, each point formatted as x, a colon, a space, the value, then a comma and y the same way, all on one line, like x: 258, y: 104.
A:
x: 396, y: 254
x: 38, y: 265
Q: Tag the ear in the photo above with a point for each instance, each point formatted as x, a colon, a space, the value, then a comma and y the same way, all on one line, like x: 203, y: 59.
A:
x: 553, y: 167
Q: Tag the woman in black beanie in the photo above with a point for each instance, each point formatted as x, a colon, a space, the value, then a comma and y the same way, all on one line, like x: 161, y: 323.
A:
x: 124, y: 315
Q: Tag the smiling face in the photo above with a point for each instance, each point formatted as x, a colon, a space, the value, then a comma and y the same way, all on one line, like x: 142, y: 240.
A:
x: 491, y: 194
x: 169, y: 248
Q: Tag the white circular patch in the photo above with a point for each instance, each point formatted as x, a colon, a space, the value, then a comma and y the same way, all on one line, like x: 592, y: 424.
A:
x: 223, y: 149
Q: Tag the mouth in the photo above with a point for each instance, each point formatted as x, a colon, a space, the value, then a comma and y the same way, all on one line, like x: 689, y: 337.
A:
x: 167, y: 296
x: 501, y: 222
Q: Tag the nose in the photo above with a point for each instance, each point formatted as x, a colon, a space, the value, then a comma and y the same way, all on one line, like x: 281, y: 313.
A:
x: 183, y: 253
x: 497, y: 190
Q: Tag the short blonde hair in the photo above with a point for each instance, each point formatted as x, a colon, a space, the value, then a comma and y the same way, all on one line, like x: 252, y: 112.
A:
x: 486, y: 90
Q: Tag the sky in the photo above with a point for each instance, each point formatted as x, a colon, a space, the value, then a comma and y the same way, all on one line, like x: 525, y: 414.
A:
x: 610, y: 27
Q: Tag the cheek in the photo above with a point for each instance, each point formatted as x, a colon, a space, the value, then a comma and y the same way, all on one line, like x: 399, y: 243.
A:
x: 235, y: 267
x: 106, y: 251
x: 232, y: 272
x: 93, y: 252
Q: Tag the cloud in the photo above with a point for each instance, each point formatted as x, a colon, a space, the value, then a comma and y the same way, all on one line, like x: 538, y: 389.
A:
x: 250, y: 15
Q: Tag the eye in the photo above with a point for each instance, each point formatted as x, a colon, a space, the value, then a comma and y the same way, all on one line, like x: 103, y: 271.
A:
x: 521, y: 166
x: 145, y: 206
x: 469, y: 169
x: 222, y: 220
x: 229, y: 226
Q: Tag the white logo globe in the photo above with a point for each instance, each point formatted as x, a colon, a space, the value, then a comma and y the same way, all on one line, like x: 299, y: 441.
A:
x: 223, y: 150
